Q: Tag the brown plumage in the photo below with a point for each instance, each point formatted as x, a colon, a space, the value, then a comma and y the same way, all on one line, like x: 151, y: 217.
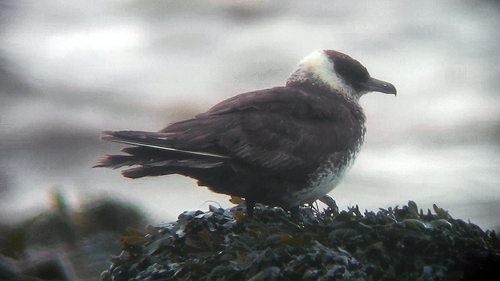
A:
x: 281, y: 146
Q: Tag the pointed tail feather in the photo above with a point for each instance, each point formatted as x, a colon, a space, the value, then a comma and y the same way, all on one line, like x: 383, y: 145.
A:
x: 167, y: 167
x: 154, y: 140
x: 139, y: 172
x: 115, y: 161
x: 152, y: 155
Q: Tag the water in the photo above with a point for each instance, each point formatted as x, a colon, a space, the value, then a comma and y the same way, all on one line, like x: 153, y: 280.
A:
x: 69, y: 70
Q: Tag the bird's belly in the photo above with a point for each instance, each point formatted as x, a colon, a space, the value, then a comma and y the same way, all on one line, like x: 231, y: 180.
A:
x: 325, y: 178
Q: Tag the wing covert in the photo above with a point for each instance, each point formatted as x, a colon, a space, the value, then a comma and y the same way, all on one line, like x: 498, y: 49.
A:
x: 281, y: 129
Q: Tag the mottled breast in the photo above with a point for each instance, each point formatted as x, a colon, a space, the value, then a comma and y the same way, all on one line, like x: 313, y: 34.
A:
x: 329, y: 173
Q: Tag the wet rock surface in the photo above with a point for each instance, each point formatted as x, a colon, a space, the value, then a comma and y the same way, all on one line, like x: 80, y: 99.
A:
x: 400, y: 243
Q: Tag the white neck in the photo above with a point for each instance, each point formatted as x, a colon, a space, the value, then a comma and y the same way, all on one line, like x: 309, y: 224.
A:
x: 319, y: 69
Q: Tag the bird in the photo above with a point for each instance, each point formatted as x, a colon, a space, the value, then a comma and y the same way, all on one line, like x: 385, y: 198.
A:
x: 282, y: 146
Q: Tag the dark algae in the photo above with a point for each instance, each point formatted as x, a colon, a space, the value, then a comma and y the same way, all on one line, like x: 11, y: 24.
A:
x: 400, y: 243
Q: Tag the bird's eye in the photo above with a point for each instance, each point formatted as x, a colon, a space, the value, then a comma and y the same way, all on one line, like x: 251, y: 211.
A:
x: 351, y: 70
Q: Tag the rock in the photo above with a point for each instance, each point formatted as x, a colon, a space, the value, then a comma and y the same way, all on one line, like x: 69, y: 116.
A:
x: 394, y: 243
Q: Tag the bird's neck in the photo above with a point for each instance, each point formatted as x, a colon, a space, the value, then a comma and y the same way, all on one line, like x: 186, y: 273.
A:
x: 307, y: 81
x: 330, y: 95
x: 311, y: 85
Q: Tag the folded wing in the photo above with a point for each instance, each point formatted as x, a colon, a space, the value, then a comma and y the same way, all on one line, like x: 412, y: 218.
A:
x: 280, y: 130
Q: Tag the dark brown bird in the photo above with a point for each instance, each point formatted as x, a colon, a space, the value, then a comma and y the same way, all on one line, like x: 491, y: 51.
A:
x: 281, y: 146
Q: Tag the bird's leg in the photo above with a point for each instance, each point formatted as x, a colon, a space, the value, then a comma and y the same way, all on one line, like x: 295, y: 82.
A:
x: 250, y: 204
x: 295, y: 213
x: 330, y: 202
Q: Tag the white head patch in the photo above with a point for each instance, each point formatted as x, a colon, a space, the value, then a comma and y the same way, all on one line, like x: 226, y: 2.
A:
x: 320, y: 69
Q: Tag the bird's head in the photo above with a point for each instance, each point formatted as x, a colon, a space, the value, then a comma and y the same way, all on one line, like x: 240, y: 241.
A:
x: 338, y: 72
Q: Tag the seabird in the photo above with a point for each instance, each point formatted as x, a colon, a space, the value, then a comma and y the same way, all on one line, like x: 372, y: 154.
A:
x: 281, y: 146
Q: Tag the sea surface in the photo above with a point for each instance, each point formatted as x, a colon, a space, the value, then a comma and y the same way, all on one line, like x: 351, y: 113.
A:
x: 71, y: 69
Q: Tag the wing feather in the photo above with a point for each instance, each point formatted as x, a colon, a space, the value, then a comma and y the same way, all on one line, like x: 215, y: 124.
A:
x: 281, y: 129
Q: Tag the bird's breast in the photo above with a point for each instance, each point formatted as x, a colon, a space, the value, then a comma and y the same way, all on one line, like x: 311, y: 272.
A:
x: 328, y: 175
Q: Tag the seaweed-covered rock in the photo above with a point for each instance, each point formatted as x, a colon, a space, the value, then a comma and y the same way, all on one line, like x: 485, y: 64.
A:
x: 391, y: 244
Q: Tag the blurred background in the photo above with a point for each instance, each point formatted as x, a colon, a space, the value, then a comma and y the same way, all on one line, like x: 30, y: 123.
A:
x: 69, y: 69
